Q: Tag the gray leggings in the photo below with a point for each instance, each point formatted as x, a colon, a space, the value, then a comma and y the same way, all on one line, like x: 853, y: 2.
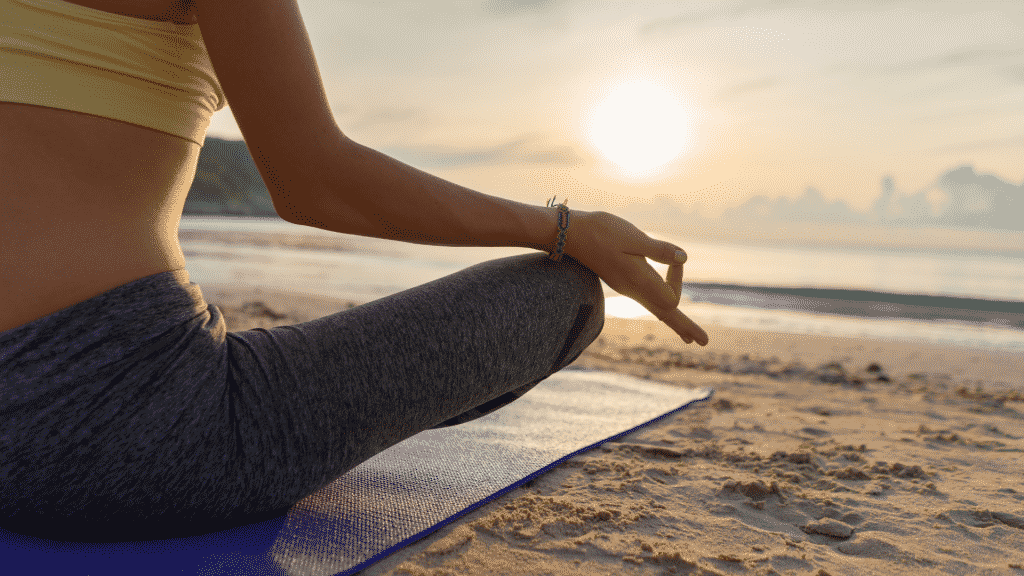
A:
x: 136, y: 415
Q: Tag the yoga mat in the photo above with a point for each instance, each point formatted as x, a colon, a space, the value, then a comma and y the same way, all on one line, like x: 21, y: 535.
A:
x: 394, y: 498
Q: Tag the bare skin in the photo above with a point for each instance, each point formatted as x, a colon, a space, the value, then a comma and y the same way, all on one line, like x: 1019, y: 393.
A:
x: 88, y: 204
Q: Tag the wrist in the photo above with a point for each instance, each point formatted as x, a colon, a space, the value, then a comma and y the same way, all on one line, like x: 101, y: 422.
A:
x: 541, y: 226
x: 563, y: 230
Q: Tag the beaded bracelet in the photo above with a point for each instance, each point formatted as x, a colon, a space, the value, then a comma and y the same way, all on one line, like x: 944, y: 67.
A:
x: 563, y: 225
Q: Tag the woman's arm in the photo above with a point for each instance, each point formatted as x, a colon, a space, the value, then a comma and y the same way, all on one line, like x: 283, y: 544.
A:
x: 319, y: 177
x: 369, y: 193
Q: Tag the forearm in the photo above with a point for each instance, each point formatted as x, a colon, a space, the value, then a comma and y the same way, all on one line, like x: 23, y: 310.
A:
x: 367, y: 193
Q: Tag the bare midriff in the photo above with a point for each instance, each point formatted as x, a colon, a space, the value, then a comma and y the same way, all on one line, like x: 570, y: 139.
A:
x: 87, y: 203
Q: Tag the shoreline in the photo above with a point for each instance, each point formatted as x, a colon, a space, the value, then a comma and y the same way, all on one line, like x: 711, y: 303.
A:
x: 864, y: 303
x: 816, y: 455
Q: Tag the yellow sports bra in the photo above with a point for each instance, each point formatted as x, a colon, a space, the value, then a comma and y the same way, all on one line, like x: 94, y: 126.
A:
x: 146, y: 72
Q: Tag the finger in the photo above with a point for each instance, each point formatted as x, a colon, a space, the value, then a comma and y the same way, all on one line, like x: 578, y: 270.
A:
x: 675, y: 280
x: 665, y: 252
x: 650, y: 289
x: 682, y: 325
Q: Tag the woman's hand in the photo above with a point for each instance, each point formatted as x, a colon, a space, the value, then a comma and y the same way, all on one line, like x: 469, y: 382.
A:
x: 616, y: 250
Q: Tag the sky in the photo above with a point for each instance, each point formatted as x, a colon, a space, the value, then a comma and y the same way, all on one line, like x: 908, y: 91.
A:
x: 746, y: 97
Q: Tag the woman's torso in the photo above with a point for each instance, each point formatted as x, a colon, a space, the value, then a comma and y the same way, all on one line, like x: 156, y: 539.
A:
x: 87, y: 203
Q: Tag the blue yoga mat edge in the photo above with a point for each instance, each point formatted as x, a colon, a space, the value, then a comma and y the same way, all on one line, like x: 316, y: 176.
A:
x: 494, y: 496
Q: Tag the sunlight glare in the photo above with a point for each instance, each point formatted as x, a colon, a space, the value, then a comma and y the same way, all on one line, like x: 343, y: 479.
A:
x: 640, y: 126
x: 624, y: 307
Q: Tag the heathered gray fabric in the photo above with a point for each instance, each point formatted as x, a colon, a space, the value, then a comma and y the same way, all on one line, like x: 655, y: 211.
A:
x: 136, y: 415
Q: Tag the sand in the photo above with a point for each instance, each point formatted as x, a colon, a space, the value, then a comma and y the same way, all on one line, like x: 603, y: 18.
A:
x: 818, y: 455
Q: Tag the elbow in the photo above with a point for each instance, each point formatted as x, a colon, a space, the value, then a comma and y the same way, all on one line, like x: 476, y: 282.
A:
x: 287, y: 210
x: 303, y: 185
x: 319, y: 192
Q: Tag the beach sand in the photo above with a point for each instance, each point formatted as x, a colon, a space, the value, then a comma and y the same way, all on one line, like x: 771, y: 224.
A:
x: 817, y: 455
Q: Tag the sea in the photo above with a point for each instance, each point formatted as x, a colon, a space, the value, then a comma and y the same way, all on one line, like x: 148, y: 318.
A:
x: 973, y: 300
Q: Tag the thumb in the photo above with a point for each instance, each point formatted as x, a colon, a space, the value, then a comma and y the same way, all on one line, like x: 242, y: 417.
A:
x: 665, y: 252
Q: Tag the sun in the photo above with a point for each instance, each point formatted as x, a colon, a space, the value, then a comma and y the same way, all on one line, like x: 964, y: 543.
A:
x: 640, y: 126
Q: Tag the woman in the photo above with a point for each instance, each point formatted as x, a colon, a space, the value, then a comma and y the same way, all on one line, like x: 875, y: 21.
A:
x: 128, y: 410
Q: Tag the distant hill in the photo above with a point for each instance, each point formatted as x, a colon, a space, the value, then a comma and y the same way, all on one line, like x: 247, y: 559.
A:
x: 227, y: 182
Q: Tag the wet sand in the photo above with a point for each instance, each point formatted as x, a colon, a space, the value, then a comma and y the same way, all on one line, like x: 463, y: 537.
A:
x: 818, y: 455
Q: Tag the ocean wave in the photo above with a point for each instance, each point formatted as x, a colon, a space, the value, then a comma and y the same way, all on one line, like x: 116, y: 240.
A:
x: 862, y: 303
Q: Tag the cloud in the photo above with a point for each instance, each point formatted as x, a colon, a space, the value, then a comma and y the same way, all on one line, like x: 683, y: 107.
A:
x: 988, y: 144
x: 516, y: 152
x: 715, y: 11
x: 378, y: 116
x: 960, y: 112
x: 748, y: 87
x: 957, y: 58
x: 1015, y: 72
x: 693, y: 18
x: 810, y: 206
x: 983, y: 200
x: 515, y: 7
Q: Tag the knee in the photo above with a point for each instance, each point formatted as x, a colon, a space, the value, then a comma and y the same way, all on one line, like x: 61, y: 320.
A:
x: 574, y: 291
x: 587, y: 286
x: 587, y: 315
